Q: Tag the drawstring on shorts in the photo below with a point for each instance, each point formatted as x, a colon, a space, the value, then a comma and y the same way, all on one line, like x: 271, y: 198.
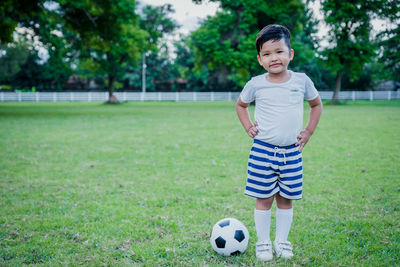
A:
x: 282, y: 151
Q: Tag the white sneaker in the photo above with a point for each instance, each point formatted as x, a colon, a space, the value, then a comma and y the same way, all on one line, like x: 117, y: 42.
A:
x: 264, y: 250
x: 283, y: 249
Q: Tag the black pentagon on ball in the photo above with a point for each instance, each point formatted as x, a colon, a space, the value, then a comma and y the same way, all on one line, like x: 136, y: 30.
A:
x: 239, y: 235
x: 220, y: 242
x: 224, y: 223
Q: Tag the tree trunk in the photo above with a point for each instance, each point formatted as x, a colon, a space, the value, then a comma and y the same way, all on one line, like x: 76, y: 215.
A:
x: 338, y: 85
x: 111, y: 98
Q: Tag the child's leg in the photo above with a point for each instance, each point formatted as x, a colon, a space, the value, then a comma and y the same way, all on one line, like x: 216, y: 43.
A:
x: 262, y: 218
x: 284, y: 217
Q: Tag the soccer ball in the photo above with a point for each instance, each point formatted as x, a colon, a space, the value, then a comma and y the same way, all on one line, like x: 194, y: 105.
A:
x: 229, y: 236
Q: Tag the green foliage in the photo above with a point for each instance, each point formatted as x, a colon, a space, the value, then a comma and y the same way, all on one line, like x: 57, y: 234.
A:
x: 225, y: 43
x: 156, y: 22
x: 116, y: 50
x: 48, y: 75
x: 349, y: 35
x: 366, y: 80
x: 31, y: 74
x: 75, y: 193
x: 202, y: 79
x: 47, y: 24
x: 12, y: 57
x: 13, y: 12
x: 99, y: 39
x: 5, y: 87
x: 111, y: 48
x: 351, y: 46
x: 161, y: 73
x: 391, y: 52
x: 118, y: 85
x: 305, y: 46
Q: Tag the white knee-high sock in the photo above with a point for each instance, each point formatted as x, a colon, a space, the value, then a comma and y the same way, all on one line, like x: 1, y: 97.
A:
x: 284, y: 218
x: 262, y: 218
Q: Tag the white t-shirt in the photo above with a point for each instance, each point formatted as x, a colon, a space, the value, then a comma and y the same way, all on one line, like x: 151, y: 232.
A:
x: 279, y: 106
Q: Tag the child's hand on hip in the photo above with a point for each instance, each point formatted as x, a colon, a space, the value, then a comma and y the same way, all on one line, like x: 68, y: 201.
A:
x: 253, y: 131
x: 302, y: 139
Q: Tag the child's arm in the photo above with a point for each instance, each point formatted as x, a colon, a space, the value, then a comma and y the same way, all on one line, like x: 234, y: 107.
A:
x: 315, y: 114
x: 244, y: 117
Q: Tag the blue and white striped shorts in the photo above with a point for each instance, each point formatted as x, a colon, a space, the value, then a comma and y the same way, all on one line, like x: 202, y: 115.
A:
x: 273, y: 169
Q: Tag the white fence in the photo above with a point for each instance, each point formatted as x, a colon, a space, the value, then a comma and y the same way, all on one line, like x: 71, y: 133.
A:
x: 174, y: 96
x: 362, y: 95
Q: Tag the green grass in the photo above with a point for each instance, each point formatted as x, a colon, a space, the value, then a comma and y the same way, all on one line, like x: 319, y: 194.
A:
x: 143, y: 184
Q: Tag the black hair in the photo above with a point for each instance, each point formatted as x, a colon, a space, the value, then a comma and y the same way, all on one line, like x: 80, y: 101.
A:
x: 272, y: 32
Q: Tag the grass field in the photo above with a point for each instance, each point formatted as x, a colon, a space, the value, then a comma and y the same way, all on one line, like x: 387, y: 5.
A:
x: 143, y: 184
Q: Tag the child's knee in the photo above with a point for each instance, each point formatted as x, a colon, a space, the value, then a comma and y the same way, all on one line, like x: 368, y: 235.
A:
x: 283, y: 203
x: 264, y: 203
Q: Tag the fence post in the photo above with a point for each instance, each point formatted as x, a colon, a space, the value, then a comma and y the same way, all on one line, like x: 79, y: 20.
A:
x: 212, y: 96
x: 19, y: 97
x: 195, y: 96
x: 389, y: 95
x: 353, y: 95
x: 89, y: 96
x: 37, y: 97
x: 124, y: 96
x: 142, y: 96
x: 2, y: 96
x: 371, y: 97
x: 230, y: 96
x: 176, y: 96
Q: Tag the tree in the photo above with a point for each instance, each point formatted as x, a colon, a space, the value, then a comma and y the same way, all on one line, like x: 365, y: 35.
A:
x: 184, y: 62
x: 349, y: 36
x: 43, y: 20
x: 13, y: 12
x: 390, y: 39
x: 306, y: 44
x: 156, y: 22
x: 106, y: 36
x: 110, y: 35
x: 161, y: 75
x: 391, y: 52
x: 61, y: 43
x: 225, y: 43
x: 31, y: 74
x: 14, y: 56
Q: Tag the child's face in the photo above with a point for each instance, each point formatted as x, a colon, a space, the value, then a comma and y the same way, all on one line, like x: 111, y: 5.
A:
x: 274, y: 56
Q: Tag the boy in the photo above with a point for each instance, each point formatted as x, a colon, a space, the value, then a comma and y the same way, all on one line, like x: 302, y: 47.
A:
x: 275, y: 161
